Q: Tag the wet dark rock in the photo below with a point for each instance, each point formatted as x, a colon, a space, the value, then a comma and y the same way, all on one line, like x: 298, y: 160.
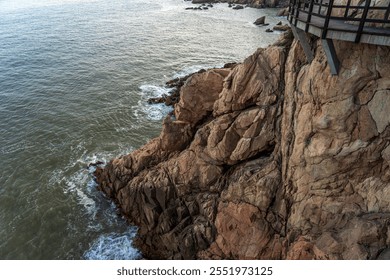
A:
x: 281, y: 27
x: 94, y: 164
x: 238, y: 7
x: 174, y: 95
x: 230, y: 65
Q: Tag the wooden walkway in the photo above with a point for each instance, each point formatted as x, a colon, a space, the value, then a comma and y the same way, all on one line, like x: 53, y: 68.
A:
x: 339, y: 29
x: 366, y: 23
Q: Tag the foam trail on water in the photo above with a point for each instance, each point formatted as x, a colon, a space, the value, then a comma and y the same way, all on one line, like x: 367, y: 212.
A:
x: 113, y: 246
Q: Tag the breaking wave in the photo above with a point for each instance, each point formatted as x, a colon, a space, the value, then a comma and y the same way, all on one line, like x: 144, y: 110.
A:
x: 113, y: 246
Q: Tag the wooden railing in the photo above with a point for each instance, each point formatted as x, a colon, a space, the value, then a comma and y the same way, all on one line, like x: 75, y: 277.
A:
x: 369, y: 17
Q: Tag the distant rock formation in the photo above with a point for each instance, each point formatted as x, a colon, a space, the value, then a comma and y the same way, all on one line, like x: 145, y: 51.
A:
x: 273, y: 159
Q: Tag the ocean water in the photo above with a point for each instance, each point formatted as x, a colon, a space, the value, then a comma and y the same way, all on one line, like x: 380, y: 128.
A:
x: 75, y: 76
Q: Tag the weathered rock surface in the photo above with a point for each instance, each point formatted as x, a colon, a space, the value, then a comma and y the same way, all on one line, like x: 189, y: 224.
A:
x: 272, y: 159
x: 260, y: 21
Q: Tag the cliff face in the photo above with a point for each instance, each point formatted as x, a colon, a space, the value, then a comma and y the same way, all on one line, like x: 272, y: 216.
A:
x: 273, y: 159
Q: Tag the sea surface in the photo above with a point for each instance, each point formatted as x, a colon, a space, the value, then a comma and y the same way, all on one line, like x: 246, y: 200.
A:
x: 75, y: 76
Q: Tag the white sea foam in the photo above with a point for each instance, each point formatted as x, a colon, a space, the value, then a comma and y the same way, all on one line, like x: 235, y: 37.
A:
x: 77, y: 180
x: 149, y: 91
x: 81, y: 185
x: 154, y: 112
x: 113, y: 246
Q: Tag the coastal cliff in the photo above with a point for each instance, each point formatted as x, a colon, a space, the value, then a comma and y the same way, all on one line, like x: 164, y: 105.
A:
x: 274, y: 158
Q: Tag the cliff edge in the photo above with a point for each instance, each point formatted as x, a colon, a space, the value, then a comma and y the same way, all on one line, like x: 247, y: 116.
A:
x: 272, y: 159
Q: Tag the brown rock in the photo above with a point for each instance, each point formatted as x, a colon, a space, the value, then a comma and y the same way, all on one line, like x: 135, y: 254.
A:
x: 284, y: 27
x: 198, y: 95
x: 273, y: 159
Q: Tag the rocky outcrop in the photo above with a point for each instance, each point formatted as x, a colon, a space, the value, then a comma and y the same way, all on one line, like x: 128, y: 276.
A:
x: 272, y: 159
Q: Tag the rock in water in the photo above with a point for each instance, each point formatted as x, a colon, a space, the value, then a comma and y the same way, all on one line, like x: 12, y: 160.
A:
x: 238, y: 7
x: 272, y: 159
x: 281, y: 27
x: 260, y: 21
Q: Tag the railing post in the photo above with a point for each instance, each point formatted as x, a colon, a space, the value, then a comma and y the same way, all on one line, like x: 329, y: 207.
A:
x: 362, y: 21
x: 387, y: 12
x: 297, y: 12
x: 347, y: 8
x: 309, y: 15
x: 290, y: 10
x: 327, y: 19
x: 331, y: 56
x: 300, y: 35
x: 319, y: 9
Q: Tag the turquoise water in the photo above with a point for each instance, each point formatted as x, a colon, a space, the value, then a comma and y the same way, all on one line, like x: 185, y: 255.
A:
x: 74, y: 79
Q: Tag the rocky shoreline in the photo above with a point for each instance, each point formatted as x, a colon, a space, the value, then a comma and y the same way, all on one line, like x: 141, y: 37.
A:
x: 173, y: 97
x: 274, y: 158
x: 240, y: 4
x: 207, y: 4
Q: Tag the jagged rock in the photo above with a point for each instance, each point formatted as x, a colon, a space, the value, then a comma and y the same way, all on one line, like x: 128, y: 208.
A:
x: 282, y: 12
x: 260, y: 21
x: 254, y: 82
x: 238, y: 7
x: 198, y: 95
x: 230, y: 65
x: 281, y: 27
x: 272, y: 159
